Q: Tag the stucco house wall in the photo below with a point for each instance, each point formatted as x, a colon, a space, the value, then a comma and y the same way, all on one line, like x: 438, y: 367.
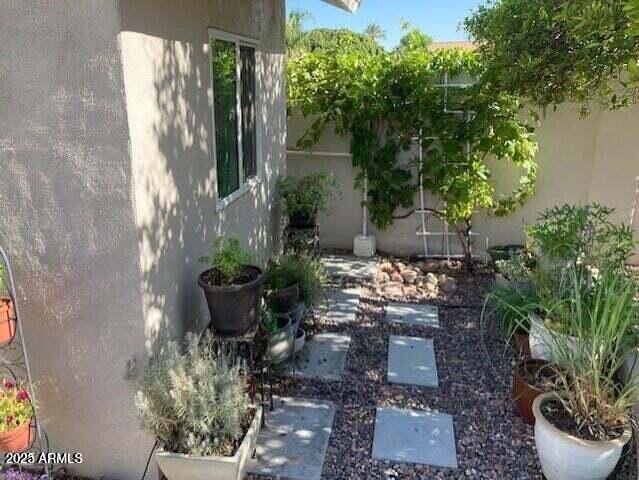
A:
x: 580, y: 160
x: 105, y: 194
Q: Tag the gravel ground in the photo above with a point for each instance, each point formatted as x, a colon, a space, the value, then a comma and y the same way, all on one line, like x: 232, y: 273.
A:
x: 492, y: 442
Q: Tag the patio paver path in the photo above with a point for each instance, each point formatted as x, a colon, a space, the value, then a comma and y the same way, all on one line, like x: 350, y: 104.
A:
x: 342, y: 305
x: 412, y: 436
x: 350, y: 266
x: 413, y: 314
x: 411, y: 360
x: 293, y: 443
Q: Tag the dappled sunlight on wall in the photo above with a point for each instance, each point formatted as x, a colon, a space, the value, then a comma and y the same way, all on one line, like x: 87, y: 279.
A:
x: 169, y: 97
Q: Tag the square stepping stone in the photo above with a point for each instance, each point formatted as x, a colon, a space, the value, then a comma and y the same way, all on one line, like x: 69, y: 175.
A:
x: 350, y: 266
x: 342, y: 305
x: 323, y: 357
x: 411, y: 361
x: 413, y: 314
x: 293, y: 443
x: 412, y: 436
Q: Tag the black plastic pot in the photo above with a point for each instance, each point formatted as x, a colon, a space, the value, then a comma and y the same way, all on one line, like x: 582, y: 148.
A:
x: 303, y: 220
x: 234, y: 308
x: 287, y: 298
x: 504, y: 252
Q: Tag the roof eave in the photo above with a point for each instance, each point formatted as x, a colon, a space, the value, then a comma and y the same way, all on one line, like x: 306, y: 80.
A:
x: 349, y: 5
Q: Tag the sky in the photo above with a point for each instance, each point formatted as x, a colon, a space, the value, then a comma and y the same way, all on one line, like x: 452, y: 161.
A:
x: 438, y: 18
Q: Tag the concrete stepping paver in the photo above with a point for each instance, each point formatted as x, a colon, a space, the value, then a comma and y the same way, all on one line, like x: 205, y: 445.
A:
x: 293, y: 443
x: 411, y: 361
x: 412, y: 436
x: 323, y: 357
x: 350, y: 266
x: 342, y: 305
x: 413, y: 314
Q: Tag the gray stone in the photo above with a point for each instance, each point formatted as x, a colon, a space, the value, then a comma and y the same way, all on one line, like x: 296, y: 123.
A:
x: 413, y: 314
x: 411, y: 361
x: 294, y: 441
x: 350, y: 266
x: 342, y: 305
x: 323, y: 357
x: 412, y: 436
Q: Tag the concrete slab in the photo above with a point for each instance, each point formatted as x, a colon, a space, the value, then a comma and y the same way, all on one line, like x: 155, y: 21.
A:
x: 350, y: 266
x: 412, y: 436
x: 342, y: 305
x: 413, y: 314
x: 293, y: 443
x: 411, y: 361
x: 323, y: 357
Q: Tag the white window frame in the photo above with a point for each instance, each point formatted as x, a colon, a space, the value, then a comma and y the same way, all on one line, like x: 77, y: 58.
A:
x: 245, y: 184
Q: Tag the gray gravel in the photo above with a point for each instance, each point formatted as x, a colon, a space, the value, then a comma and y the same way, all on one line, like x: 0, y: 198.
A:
x: 492, y: 442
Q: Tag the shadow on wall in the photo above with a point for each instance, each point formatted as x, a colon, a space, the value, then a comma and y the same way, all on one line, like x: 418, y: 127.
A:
x: 174, y: 174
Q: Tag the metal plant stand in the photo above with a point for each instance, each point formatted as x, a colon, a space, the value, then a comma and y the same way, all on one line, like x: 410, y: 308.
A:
x: 14, y: 362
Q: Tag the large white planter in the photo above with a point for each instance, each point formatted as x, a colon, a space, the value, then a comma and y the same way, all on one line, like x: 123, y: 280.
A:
x: 564, y: 457
x: 541, y: 339
x: 188, y: 467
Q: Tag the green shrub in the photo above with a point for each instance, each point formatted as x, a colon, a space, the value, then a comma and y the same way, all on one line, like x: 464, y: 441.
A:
x: 581, y: 234
x: 308, y: 272
x: 512, y: 306
x: 601, y: 320
x: 228, y: 260
x: 308, y: 195
x: 193, y: 402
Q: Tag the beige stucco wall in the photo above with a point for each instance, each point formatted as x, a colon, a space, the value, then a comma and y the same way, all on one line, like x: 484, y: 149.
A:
x: 106, y: 194
x: 67, y: 221
x: 168, y: 95
x: 580, y: 160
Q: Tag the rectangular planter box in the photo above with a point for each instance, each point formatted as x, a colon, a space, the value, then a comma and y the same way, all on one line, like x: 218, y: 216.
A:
x: 188, y: 467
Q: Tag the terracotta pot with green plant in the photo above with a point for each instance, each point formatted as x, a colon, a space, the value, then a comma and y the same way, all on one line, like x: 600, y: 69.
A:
x: 532, y: 378
x: 7, y: 313
x: 195, y: 402
x: 16, y: 412
x: 303, y: 198
x: 581, y: 429
x: 232, y: 286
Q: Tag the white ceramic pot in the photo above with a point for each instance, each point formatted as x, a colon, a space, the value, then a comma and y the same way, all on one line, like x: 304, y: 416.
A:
x: 564, y: 457
x: 540, y: 339
x: 188, y: 467
x: 300, y: 339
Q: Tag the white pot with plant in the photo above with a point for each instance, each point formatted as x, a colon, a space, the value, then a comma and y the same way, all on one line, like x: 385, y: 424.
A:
x: 195, y: 403
x: 580, y: 430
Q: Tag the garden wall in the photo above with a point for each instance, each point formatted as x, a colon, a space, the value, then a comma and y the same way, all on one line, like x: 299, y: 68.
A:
x: 595, y: 159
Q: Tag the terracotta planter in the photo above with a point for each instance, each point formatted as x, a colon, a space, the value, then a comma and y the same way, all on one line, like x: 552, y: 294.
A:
x: 525, y: 393
x: 17, y: 440
x: 565, y: 457
x: 189, y: 467
x: 234, y: 308
x: 7, y: 320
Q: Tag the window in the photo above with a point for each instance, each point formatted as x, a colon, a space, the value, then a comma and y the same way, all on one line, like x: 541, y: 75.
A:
x: 235, y: 92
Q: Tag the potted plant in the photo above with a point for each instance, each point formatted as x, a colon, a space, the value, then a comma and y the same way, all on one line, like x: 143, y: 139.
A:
x: 504, y: 252
x: 304, y: 197
x: 581, y: 429
x: 232, y: 286
x: 195, y: 402
x: 16, y: 412
x: 300, y: 339
x: 7, y: 313
x: 281, y: 340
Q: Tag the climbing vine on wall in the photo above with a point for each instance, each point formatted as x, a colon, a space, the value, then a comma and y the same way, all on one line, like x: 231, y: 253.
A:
x: 385, y: 100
